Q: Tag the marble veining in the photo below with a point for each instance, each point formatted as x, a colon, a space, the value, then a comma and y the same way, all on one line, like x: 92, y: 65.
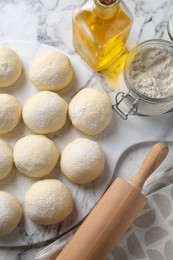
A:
x: 49, y: 22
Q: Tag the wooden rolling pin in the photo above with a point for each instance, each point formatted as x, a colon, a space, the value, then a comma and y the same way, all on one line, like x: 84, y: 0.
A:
x: 113, y: 214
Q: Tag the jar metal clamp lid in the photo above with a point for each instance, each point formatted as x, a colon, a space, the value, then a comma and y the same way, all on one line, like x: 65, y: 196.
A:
x: 120, y: 96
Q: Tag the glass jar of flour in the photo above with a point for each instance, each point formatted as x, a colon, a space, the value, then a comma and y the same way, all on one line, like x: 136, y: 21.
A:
x: 147, y: 84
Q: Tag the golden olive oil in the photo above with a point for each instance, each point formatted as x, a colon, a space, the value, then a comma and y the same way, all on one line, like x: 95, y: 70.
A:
x: 100, y: 33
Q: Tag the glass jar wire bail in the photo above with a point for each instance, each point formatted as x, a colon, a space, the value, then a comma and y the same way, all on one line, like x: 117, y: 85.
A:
x: 133, y: 109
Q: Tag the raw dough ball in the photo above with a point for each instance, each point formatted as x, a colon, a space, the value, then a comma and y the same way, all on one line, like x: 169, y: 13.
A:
x: 48, y: 202
x: 10, y: 113
x: 90, y: 111
x: 10, y: 213
x: 82, y: 161
x: 51, y: 71
x: 35, y: 155
x: 6, y: 159
x: 45, y: 112
x: 10, y: 66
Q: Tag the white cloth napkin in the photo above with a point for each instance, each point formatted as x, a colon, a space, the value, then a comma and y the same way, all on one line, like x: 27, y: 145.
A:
x: 151, y: 235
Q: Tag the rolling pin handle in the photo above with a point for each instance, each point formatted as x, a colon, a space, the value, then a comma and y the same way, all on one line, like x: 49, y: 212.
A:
x: 154, y: 158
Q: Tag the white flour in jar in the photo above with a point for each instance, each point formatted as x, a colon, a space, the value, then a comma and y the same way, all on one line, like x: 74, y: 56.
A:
x: 151, y: 72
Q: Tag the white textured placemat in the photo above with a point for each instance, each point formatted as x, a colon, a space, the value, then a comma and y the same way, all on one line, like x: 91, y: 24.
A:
x: 86, y: 196
x: 116, y: 141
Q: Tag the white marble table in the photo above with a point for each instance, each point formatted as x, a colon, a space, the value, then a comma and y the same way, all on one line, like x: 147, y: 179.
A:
x: 49, y: 21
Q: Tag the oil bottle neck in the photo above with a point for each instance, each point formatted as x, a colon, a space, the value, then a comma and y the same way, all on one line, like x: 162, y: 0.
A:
x: 105, y: 9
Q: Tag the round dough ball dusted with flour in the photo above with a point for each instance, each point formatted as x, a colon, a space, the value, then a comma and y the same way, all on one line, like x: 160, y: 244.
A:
x: 6, y: 159
x: 10, y: 213
x: 10, y: 113
x: 48, y: 202
x: 82, y: 161
x: 10, y: 66
x: 90, y: 111
x: 51, y: 71
x: 35, y: 155
x: 45, y: 112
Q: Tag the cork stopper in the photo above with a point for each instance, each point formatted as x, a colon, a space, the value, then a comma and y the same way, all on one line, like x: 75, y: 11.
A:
x: 107, y: 2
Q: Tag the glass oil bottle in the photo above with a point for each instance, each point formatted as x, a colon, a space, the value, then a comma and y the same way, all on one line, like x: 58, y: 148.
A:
x: 100, y: 31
